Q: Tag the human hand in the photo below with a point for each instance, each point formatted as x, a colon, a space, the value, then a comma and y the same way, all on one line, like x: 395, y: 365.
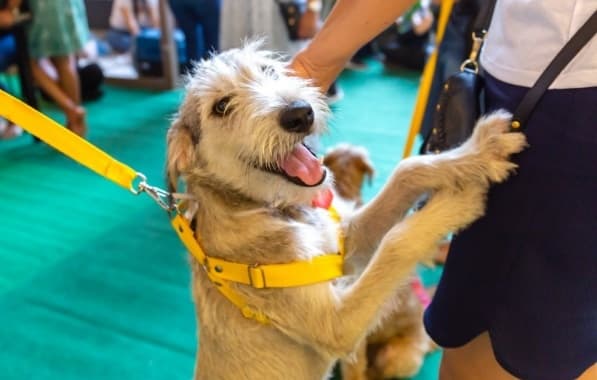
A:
x: 12, y: 4
x: 322, y: 76
x: 7, y: 18
x: 422, y: 21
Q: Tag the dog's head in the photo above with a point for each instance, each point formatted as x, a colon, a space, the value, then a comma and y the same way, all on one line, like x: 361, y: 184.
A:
x: 350, y: 166
x: 243, y: 124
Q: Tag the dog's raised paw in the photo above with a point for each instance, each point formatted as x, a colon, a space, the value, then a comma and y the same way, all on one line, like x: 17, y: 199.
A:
x: 492, y: 135
x: 493, y: 144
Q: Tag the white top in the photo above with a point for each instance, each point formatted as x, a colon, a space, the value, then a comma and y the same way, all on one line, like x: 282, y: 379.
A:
x: 117, y: 19
x: 525, y: 35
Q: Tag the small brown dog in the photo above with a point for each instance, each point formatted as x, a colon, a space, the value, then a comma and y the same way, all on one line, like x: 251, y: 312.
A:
x: 351, y: 166
x: 397, y: 347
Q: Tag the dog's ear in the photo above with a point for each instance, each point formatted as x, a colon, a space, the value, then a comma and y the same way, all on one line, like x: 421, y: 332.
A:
x: 180, y: 151
x: 366, y: 167
x: 330, y: 158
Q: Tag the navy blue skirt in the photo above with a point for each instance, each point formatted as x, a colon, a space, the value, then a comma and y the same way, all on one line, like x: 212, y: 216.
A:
x: 526, y: 272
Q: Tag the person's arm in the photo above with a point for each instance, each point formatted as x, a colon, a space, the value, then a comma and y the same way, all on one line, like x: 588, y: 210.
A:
x: 350, y: 25
x: 13, y: 4
x: 153, y: 13
x: 129, y: 18
x: 7, y: 18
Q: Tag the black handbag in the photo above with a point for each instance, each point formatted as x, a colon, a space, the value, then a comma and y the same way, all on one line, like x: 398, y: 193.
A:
x: 291, y: 12
x: 460, y: 102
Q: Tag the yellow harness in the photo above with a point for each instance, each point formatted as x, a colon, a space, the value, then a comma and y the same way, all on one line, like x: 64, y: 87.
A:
x: 221, y: 273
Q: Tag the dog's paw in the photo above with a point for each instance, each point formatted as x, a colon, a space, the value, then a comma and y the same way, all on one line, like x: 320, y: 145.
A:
x: 399, y: 358
x: 492, y: 144
x: 492, y: 135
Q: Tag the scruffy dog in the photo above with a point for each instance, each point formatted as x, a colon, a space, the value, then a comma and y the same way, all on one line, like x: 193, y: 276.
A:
x: 238, y: 142
x: 396, y: 347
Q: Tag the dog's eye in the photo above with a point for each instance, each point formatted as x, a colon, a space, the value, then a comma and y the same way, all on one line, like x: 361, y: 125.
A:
x: 221, y: 106
x: 269, y: 71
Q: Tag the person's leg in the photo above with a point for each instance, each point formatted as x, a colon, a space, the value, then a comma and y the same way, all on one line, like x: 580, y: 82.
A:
x: 68, y: 80
x: 475, y: 360
x: 186, y: 21
x: 208, y: 13
x: 590, y: 373
x: 75, y: 115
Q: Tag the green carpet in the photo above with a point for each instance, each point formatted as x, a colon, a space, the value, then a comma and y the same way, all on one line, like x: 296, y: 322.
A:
x: 93, y: 283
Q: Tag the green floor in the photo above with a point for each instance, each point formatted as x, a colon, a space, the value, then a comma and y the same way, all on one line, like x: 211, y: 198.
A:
x: 93, y: 284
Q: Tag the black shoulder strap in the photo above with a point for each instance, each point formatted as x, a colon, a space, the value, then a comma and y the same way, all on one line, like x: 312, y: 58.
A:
x: 555, y: 67
x: 483, y: 17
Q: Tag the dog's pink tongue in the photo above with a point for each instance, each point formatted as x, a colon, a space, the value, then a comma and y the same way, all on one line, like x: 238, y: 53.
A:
x: 304, y: 165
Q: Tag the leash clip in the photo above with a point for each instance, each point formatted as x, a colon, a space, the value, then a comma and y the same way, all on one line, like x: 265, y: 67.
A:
x: 162, y: 197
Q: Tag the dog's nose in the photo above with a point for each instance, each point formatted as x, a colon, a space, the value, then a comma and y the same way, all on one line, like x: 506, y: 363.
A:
x: 297, y: 117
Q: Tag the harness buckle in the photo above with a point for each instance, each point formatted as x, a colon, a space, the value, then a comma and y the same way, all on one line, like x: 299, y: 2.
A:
x: 256, y: 276
x: 250, y: 312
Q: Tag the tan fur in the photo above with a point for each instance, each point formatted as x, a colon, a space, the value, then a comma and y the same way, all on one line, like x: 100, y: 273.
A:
x: 250, y: 215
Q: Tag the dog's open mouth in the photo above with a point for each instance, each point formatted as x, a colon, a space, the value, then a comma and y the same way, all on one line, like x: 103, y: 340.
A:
x: 301, y: 167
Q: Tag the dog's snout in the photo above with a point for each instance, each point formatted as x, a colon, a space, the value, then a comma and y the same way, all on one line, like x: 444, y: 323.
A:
x: 297, y: 117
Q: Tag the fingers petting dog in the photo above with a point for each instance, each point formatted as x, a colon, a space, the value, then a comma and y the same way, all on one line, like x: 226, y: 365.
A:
x: 240, y: 143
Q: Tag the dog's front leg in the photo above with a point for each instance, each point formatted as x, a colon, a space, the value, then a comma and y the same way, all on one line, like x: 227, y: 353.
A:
x: 480, y: 160
x: 345, y: 315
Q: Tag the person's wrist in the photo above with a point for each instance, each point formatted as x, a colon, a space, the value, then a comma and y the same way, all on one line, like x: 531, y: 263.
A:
x: 300, y: 66
x: 321, y: 74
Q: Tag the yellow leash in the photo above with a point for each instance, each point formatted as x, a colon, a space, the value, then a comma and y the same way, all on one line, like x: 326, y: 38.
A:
x: 427, y: 79
x: 67, y: 142
x: 221, y: 273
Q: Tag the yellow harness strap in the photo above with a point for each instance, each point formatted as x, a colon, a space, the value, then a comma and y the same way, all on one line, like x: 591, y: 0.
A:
x: 222, y: 273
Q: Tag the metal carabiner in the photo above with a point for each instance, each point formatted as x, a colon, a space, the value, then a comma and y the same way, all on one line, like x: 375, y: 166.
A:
x: 162, y: 197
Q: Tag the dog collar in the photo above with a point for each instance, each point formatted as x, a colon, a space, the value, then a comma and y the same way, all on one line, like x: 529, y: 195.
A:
x: 223, y: 273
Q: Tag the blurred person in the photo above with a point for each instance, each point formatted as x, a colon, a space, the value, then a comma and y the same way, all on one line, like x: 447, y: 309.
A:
x: 7, y: 58
x: 517, y: 295
x: 57, y: 32
x: 127, y: 19
x: 199, y: 21
x: 242, y: 19
x: 7, y: 41
x: 246, y: 19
